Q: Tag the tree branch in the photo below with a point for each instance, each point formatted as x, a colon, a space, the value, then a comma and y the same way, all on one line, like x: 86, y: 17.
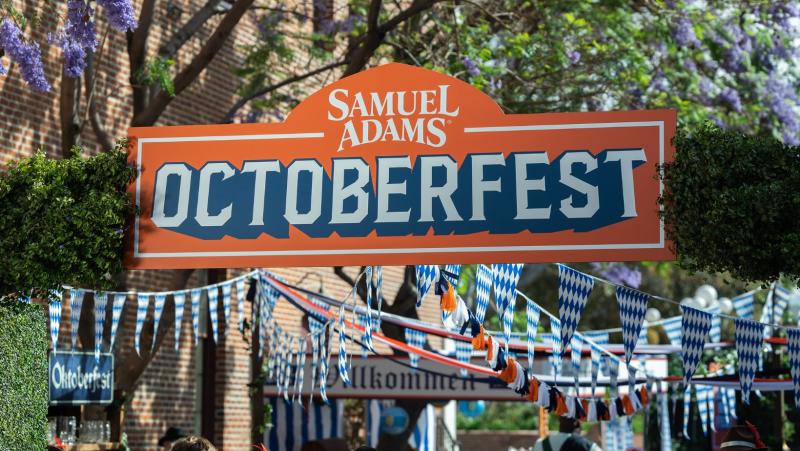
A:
x: 188, y: 75
x: 267, y: 89
x: 69, y: 112
x: 137, y: 52
x: 171, y: 47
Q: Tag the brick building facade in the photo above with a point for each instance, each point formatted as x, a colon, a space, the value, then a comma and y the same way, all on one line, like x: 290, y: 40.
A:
x: 171, y: 390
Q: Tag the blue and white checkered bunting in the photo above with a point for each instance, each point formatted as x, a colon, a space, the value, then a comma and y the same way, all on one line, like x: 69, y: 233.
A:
x: 596, y: 353
x: 694, y: 332
x: 427, y: 275
x: 240, y: 295
x: 749, y: 337
x: 363, y: 321
x: 100, y: 302
x: 794, y: 362
x: 612, y: 365
x: 75, y: 305
x: 116, y: 313
x: 553, y: 340
x: 314, y: 361
x: 213, y: 310
x: 632, y: 308
x: 343, y: 347
x: 504, y: 278
x: 416, y: 339
x: 226, y: 303
x: 573, y: 291
x: 715, y: 334
x: 600, y: 338
x: 687, y: 402
x: 665, y: 431
x: 54, y: 312
x: 705, y: 405
x: 160, y: 300
x: 379, y: 294
x: 455, y: 270
x: 744, y: 304
x: 772, y: 313
x: 483, y: 286
x: 142, y: 302
x: 533, y: 313
x: 195, y: 295
x: 179, y: 299
x: 672, y: 327
x: 463, y: 354
x: 576, y: 347
x: 324, y: 360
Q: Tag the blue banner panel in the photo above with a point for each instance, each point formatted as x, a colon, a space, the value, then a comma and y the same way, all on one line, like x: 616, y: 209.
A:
x: 78, y: 378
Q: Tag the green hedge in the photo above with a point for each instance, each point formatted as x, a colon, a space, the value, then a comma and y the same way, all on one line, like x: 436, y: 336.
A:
x: 62, y: 222
x: 23, y: 377
x: 732, y: 204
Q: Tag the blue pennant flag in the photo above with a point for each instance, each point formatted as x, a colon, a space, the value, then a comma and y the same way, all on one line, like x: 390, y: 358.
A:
x: 694, y: 332
x: 179, y: 299
x: 142, y: 302
x: 672, y: 327
x: 463, y: 354
x: 483, y: 286
x: 368, y: 321
x: 573, y: 291
x: 427, y: 275
x: 632, y: 308
x: 75, y: 305
x: 195, y: 295
x: 379, y: 294
x: 213, y: 309
x: 744, y: 305
x: 455, y: 270
x: 343, y: 347
x: 100, y: 302
x: 240, y: 295
x: 416, y: 339
x: 749, y: 337
x: 226, y: 303
x: 794, y: 362
x: 715, y: 334
x: 533, y: 313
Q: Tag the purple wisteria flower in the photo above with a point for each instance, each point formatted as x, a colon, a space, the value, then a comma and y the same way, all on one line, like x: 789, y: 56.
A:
x: 730, y: 97
x: 27, y: 55
x: 78, y: 37
x: 472, y: 68
x: 782, y: 100
x: 574, y: 56
x: 119, y: 13
x: 683, y: 32
x: 620, y: 274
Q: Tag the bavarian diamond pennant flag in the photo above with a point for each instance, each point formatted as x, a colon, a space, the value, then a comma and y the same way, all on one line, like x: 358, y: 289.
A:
x: 694, y: 332
x: 794, y: 362
x: 195, y: 294
x: 75, y: 305
x: 142, y: 301
x: 226, y: 303
x: 744, y: 305
x: 483, y: 286
x: 672, y: 327
x: 573, y: 291
x: 240, y: 294
x: 160, y: 300
x: 427, y: 275
x: 455, y: 270
x: 463, y: 354
x: 179, y: 298
x: 533, y: 312
x: 116, y: 314
x: 632, y: 307
x: 748, y: 335
x: 54, y: 311
x: 100, y: 301
x: 504, y: 278
x: 213, y: 310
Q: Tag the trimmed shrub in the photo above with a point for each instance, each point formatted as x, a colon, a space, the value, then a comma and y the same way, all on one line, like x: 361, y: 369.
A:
x: 23, y: 376
x: 732, y: 204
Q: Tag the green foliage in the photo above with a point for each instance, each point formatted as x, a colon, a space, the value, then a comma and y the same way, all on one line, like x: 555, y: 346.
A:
x: 158, y: 71
x: 731, y: 204
x: 23, y: 376
x: 62, y: 222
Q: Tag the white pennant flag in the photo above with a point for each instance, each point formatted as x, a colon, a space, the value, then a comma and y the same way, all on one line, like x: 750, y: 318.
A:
x: 213, y: 309
x: 179, y: 298
x: 54, y: 310
x: 76, y: 304
x: 195, y: 294
x: 240, y: 294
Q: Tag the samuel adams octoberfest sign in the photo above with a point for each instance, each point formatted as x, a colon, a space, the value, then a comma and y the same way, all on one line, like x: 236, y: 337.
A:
x: 401, y: 165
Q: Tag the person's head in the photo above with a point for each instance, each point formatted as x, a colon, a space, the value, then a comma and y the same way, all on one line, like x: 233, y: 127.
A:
x: 742, y: 438
x: 193, y: 443
x: 568, y: 425
x: 171, y: 436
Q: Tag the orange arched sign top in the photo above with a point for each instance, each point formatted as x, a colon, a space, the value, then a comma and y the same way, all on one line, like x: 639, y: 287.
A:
x: 401, y: 165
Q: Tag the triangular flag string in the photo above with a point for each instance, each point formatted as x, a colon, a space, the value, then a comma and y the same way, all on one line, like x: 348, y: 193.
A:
x: 142, y: 303
x: 483, y: 286
x: 116, y: 313
x: 533, y: 314
x: 632, y: 308
x: 226, y: 304
x: 213, y: 311
x: 54, y: 312
x: 179, y: 299
x: 100, y: 302
x: 695, y: 325
x: 196, y: 295
x: 793, y: 339
x: 427, y: 275
x: 573, y: 291
x: 240, y: 295
x: 748, y: 337
x: 160, y: 300
x: 504, y: 279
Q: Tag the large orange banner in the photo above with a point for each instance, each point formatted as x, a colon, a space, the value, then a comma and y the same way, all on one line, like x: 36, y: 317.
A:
x: 401, y: 165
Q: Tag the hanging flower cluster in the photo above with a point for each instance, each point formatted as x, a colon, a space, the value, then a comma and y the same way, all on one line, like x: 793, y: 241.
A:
x: 77, y: 39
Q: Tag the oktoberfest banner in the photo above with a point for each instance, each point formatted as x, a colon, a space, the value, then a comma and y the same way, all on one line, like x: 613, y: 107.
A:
x: 400, y: 165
